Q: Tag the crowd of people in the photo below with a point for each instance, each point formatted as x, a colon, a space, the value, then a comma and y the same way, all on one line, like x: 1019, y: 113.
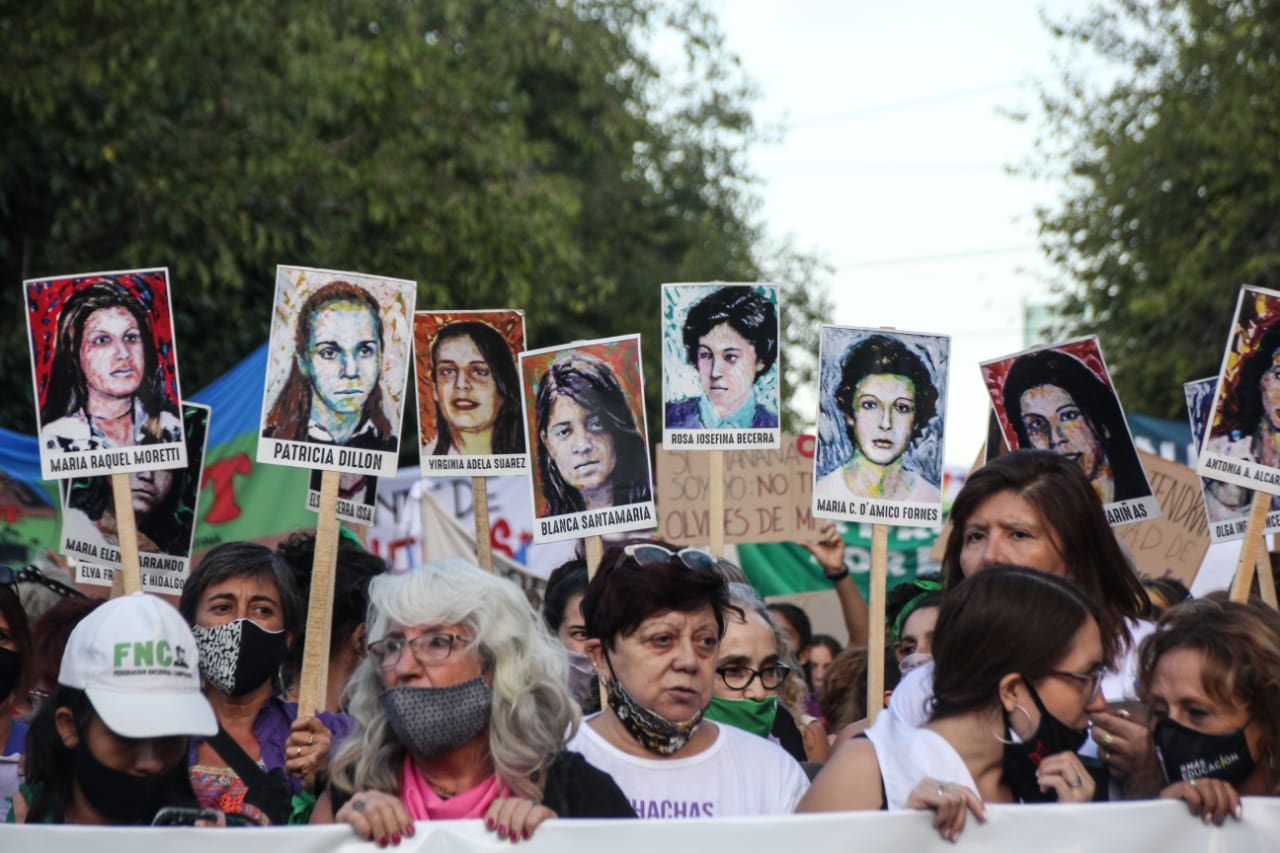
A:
x: 1036, y: 667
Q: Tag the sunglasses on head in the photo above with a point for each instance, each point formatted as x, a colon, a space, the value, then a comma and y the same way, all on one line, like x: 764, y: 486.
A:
x: 9, y: 576
x: 646, y: 554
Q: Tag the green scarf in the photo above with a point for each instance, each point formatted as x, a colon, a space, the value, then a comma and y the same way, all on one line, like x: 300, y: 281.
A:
x: 752, y: 715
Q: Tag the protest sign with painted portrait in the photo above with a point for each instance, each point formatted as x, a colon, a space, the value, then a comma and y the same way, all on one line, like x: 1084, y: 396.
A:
x: 1226, y: 505
x: 1060, y: 398
x: 880, y: 426
x: 584, y: 416
x: 1243, y: 443
x: 105, y: 369
x: 336, y: 371
x: 720, y: 366
x: 357, y: 497
x: 164, y: 511
x: 469, y: 415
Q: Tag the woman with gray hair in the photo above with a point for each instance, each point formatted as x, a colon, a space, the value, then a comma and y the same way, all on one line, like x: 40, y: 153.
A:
x: 758, y: 686
x: 464, y: 711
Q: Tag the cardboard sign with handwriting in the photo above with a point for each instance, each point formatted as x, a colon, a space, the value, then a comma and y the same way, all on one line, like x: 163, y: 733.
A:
x: 1175, y: 544
x: 768, y: 494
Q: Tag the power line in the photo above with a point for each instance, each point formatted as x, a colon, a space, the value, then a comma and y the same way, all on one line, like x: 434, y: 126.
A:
x: 907, y: 104
x: 928, y: 259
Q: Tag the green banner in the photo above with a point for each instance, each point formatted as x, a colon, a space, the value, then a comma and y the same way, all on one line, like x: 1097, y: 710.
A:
x: 785, y: 568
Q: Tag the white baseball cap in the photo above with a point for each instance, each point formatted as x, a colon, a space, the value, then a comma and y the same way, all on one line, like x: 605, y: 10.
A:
x: 136, y: 659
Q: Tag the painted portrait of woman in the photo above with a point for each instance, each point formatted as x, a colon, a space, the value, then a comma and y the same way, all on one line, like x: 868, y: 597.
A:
x: 1250, y: 426
x: 333, y: 393
x: 1053, y: 401
x: 164, y: 502
x: 591, y: 452
x: 105, y: 387
x: 885, y: 404
x: 730, y: 337
x: 476, y: 391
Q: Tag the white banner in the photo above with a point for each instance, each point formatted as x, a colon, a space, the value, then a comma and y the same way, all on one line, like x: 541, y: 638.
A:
x: 1150, y: 827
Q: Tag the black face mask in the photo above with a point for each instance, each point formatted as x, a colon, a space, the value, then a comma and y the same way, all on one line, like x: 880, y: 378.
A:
x: 122, y: 798
x: 239, y: 656
x: 10, y: 672
x: 1022, y: 760
x: 1186, y: 754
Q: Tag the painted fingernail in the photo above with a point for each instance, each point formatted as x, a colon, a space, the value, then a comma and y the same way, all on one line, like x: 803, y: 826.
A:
x: 409, y: 830
x: 382, y: 842
x: 525, y: 835
x: 488, y: 823
x: 395, y: 839
x: 502, y: 832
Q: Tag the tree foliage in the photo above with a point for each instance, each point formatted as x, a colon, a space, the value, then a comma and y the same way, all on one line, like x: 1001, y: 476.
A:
x: 505, y: 153
x: 1171, y: 182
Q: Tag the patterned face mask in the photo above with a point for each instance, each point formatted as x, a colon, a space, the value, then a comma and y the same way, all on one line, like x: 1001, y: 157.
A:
x: 653, y: 731
x: 431, y: 721
x: 239, y: 656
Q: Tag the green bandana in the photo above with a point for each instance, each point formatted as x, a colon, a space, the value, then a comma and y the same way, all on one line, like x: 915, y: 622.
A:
x: 752, y: 715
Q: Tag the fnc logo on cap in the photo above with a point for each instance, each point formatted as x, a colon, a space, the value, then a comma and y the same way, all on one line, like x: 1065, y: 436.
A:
x: 152, y: 657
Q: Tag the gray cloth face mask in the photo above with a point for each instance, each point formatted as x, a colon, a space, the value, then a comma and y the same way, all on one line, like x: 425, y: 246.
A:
x: 431, y: 721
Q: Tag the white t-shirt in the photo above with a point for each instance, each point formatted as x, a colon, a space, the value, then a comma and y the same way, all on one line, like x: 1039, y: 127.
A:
x: 739, y: 774
x: 910, y: 700
x: 907, y: 754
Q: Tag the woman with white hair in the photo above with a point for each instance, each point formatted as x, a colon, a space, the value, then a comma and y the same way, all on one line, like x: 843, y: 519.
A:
x: 464, y: 711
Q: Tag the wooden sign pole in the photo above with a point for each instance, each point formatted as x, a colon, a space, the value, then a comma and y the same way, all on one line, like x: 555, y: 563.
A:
x: 594, y: 554
x: 875, y: 631
x: 127, y: 530
x: 716, y: 495
x: 1266, y: 579
x: 480, y: 507
x: 594, y: 548
x: 315, y: 653
x: 1253, y: 542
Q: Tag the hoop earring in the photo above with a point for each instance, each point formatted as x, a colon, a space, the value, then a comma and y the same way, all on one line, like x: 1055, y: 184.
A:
x: 1006, y: 741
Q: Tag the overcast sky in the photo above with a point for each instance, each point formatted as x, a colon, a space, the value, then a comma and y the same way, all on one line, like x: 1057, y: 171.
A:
x: 893, y: 164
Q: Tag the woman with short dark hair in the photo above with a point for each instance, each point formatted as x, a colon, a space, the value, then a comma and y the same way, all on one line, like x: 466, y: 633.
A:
x: 655, y: 616
x: 731, y: 339
x: 887, y: 402
x: 245, y: 612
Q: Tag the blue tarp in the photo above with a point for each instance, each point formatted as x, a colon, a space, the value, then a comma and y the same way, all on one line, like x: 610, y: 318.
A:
x: 235, y: 397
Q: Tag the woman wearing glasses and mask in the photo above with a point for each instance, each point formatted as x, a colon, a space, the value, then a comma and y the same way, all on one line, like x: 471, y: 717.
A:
x: 1010, y: 709
x: 751, y: 689
x: 655, y: 618
x: 463, y: 709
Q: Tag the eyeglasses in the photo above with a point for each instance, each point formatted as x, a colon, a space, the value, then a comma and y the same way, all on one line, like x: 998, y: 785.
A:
x: 648, y: 554
x: 740, y: 677
x: 1090, y: 680
x: 430, y: 648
